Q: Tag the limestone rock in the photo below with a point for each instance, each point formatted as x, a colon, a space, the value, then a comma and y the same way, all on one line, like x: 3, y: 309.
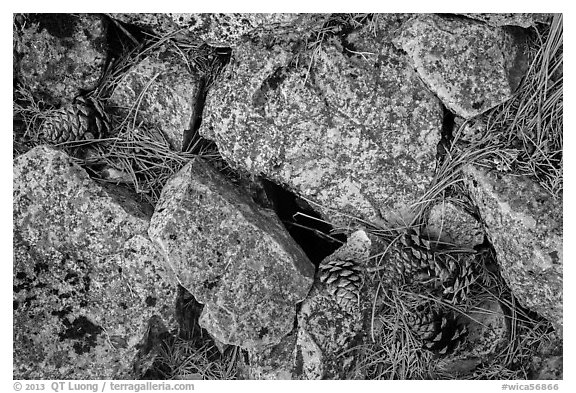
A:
x: 458, y: 226
x: 525, y: 226
x: 469, y: 65
x: 86, y: 282
x: 509, y: 19
x: 59, y: 55
x: 232, y: 256
x: 163, y: 91
x: 355, y: 133
x: 213, y: 28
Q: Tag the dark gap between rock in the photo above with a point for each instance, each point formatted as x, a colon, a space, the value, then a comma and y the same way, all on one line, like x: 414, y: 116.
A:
x: 311, y: 234
x: 192, y: 141
x: 446, y: 134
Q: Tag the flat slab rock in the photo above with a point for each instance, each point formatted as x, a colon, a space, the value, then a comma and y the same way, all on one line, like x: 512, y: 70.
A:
x: 355, y: 133
x: 59, y: 55
x: 234, y: 257
x: 163, y: 92
x: 86, y: 280
x: 525, y: 226
x: 469, y: 65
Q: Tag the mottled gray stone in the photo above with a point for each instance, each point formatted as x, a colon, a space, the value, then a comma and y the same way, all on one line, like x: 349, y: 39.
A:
x: 355, y: 133
x: 215, y: 28
x: 163, y: 91
x: 524, y: 223
x: 87, y: 280
x: 234, y: 257
x: 59, y: 55
x: 57, y: 205
x: 469, y: 65
x: 509, y: 19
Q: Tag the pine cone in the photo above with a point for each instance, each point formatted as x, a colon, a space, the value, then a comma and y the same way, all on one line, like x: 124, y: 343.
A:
x: 440, y: 331
x: 415, y: 257
x: 84, y: 119
x: 343, y: 279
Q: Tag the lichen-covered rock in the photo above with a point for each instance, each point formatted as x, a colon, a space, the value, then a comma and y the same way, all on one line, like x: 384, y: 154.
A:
x: 163, y: 91
x: 87, y: 281
x: 59, y: 55
x: 524, y: 225
x: 213, y: 28
x: 57, y: 205
x: 508, y: 19
x: 447, y: 220
x: 325, y: 329
x: 469, y: 65
x: 355, y: 132
x: 232, y: 256
x: 80, y: 318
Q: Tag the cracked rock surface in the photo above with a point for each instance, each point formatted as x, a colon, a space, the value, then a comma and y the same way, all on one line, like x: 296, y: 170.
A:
x: 355, y: 132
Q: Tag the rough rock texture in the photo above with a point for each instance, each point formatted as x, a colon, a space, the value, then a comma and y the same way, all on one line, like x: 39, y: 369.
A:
x: 277, y: 362
x: 525, y: 226
x: 57, y: 206
x: 86, y: 284
x: 469, y: 65
x: 507, y: 19
x: 355, y: 132
x: 217, y: 29
x: 324, y: 329
x: 58, y: 55
x: 459, y: 227
x: 163, y: 91
x: 234, y: 257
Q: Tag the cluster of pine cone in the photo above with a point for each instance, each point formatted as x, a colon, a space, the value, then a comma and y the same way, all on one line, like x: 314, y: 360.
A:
x: 429, y: 268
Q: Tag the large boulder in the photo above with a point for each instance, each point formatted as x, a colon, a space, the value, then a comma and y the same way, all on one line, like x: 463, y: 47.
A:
x: 469, y: 65
x: 161, y: 92
x: 87, y: 282
x: 348, y: 125
x: 59, y: 55
x: 232, y: 256
x: 524, y: 224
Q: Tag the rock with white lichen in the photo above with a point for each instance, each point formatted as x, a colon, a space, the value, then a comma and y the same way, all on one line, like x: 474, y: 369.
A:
x: 88, y: 288
x: 469, y: 65
x: 353, y: 131
x: 524, y: 224
x: 59, y: 55
x: 232, y: 256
